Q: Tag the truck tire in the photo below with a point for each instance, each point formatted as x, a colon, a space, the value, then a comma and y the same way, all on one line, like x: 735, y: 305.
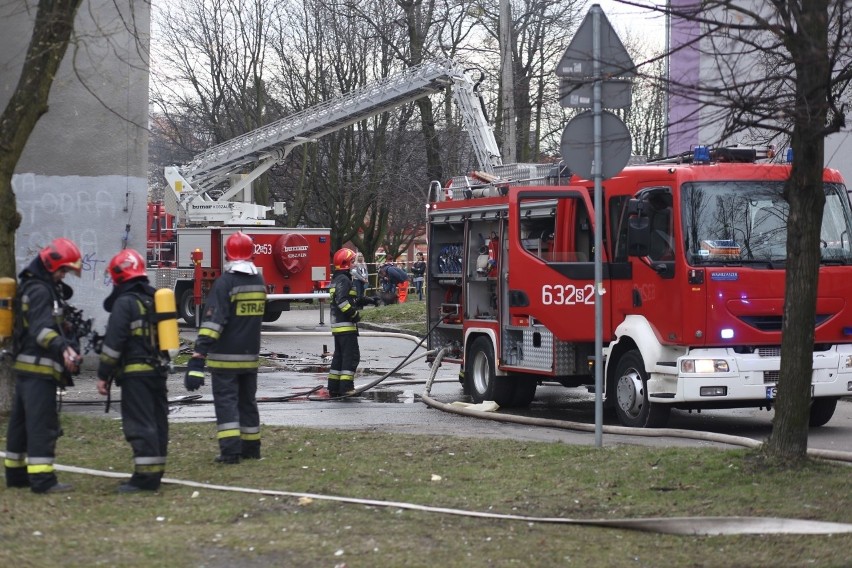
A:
x: 631, y: 395
x: 186, y: 306
x: 525, y: 386
x: 270, y: 316
x: 822, y: 409
x: 481, y: 381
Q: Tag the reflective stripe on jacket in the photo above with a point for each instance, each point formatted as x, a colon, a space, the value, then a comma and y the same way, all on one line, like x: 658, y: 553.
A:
x: 232, y: 321
x: 342, y: 295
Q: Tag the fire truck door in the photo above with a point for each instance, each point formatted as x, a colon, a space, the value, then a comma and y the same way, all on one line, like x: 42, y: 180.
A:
x: 551, y: 273
x: 658, y: 285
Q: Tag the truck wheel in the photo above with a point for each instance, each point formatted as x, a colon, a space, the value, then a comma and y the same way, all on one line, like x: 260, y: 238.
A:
x: 631, y: 404
x: 481, y: 381
x: 524, y: 391
x: 186, y: 307
x: 271, y: 316
x: 822, y: 409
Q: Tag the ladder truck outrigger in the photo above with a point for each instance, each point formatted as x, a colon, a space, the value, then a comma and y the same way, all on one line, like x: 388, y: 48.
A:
x: 210, y: 198
x: 693, y: 257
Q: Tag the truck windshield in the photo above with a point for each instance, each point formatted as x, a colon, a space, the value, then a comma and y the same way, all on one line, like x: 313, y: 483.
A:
x: 746, y: 222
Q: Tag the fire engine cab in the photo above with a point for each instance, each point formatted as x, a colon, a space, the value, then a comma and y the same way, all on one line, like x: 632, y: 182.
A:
x: 693, y: 279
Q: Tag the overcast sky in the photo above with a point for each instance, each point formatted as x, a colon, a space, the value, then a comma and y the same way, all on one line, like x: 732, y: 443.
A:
x: 632, y: 21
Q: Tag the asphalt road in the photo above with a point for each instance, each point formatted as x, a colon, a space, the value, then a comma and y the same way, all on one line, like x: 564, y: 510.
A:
x: 298, y: 346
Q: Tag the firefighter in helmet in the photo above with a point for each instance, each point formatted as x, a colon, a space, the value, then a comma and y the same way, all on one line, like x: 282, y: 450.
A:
x: 229, y: 343
x: 344, y: 319
x: 130, y: 355
x: 44, y: 352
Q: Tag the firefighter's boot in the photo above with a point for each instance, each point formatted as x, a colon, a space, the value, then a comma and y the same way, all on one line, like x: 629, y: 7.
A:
x: 17, y: 477
x: 250, y: 450
x: 142, y: 481
x: 347, y: 388
x: 227, y: 459
x: 42, y: 482
x: 333, y: 388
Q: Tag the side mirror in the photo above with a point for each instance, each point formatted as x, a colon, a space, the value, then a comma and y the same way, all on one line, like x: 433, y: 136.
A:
x: 638, y: 236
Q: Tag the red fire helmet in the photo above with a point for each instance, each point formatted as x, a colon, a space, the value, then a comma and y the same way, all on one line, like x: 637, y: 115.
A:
x: 126, y: 265
x: 343, y: 259
x: 239, y: 246
x: 61, y: 253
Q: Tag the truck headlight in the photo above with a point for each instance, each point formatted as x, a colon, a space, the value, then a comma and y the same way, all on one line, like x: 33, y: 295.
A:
x: 704, y: 366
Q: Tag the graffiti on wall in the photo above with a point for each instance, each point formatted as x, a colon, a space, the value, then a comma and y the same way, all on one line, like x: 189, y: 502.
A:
x: 101, y: 215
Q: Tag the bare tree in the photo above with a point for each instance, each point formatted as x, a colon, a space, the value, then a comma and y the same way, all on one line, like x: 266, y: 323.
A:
x: 209, y: 84
x: 541, y: 30
x: 646, y: 116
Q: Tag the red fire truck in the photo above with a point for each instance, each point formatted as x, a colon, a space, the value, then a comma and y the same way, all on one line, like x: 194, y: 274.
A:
x: 293, y: 261
x: 693, y: 281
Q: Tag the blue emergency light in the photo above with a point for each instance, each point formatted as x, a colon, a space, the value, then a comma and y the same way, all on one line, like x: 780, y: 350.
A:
x: 789, y: 157
x: 701, y: 154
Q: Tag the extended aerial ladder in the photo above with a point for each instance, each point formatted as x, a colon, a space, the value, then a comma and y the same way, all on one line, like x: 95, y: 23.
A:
x: 262, y: 148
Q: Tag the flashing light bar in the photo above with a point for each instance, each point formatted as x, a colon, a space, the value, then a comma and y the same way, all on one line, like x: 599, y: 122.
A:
x: 701, y: 155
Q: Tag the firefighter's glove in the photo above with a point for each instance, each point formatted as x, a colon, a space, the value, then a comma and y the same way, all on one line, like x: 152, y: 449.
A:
x: 356, y: 317
x: 364, y: 301
x: 194, y: 378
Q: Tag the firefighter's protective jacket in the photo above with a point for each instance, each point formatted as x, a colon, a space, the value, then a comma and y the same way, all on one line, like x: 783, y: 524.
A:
x: 230, y: 331
x: 343, y: 311
x: 41, y: 340
x: 130, y: 341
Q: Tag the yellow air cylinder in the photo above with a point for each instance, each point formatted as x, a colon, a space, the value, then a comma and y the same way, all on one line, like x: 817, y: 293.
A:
x: 167, y: 329
x: 7, y: 298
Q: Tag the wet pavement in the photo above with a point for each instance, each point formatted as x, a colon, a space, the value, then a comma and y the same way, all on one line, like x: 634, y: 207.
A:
x: 297, y: 348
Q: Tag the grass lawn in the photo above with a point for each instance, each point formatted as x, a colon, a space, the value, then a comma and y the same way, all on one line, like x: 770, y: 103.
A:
x: 185, y: 526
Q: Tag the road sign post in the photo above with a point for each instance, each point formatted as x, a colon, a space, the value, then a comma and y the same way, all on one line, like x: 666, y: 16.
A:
x: 596, y: 58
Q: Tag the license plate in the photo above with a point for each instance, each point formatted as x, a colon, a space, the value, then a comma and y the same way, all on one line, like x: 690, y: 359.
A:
x: 772, y: 392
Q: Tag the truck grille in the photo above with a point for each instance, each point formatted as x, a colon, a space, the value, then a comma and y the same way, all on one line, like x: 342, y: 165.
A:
x: 769, y: 351
x: 771, y: 377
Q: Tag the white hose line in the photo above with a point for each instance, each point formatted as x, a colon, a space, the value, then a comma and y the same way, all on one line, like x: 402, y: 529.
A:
x: 695, y: 526
x: 361, y: 333
x: 582, y: 427
x: 622, y: 430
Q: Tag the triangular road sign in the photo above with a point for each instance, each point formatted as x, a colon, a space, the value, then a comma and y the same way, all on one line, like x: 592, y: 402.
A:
x: 578, y: 60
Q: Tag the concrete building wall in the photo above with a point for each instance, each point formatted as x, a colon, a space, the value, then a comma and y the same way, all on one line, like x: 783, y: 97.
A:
x: 83, y: 173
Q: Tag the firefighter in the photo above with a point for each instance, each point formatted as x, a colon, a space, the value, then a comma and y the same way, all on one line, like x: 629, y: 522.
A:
x: 130, y: 355
x: 344, y: 328
x: 229, y: 343
x: 43, y: 353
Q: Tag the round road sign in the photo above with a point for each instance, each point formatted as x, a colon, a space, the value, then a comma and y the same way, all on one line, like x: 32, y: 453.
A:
x: 578, y: 144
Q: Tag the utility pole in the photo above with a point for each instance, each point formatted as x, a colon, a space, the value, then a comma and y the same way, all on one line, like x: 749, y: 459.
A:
x: 507, y: 96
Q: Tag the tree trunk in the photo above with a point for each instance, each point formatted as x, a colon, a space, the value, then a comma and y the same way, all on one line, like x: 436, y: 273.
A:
x: 52, y: 30
x: 804, y: 193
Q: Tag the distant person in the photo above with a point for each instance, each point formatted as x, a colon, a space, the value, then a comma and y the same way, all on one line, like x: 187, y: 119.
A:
x: 402, y: 287
x: 130, y: 354
x: 43, y: 355
x: 229, y: 343
x: 385, y: 277
x: 390, y: 277
x: 360, y: 276
x: 418, y: 270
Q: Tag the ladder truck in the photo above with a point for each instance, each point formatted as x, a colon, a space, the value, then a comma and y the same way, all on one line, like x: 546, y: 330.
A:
x: 211, y: 197
x: 693, y: 282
